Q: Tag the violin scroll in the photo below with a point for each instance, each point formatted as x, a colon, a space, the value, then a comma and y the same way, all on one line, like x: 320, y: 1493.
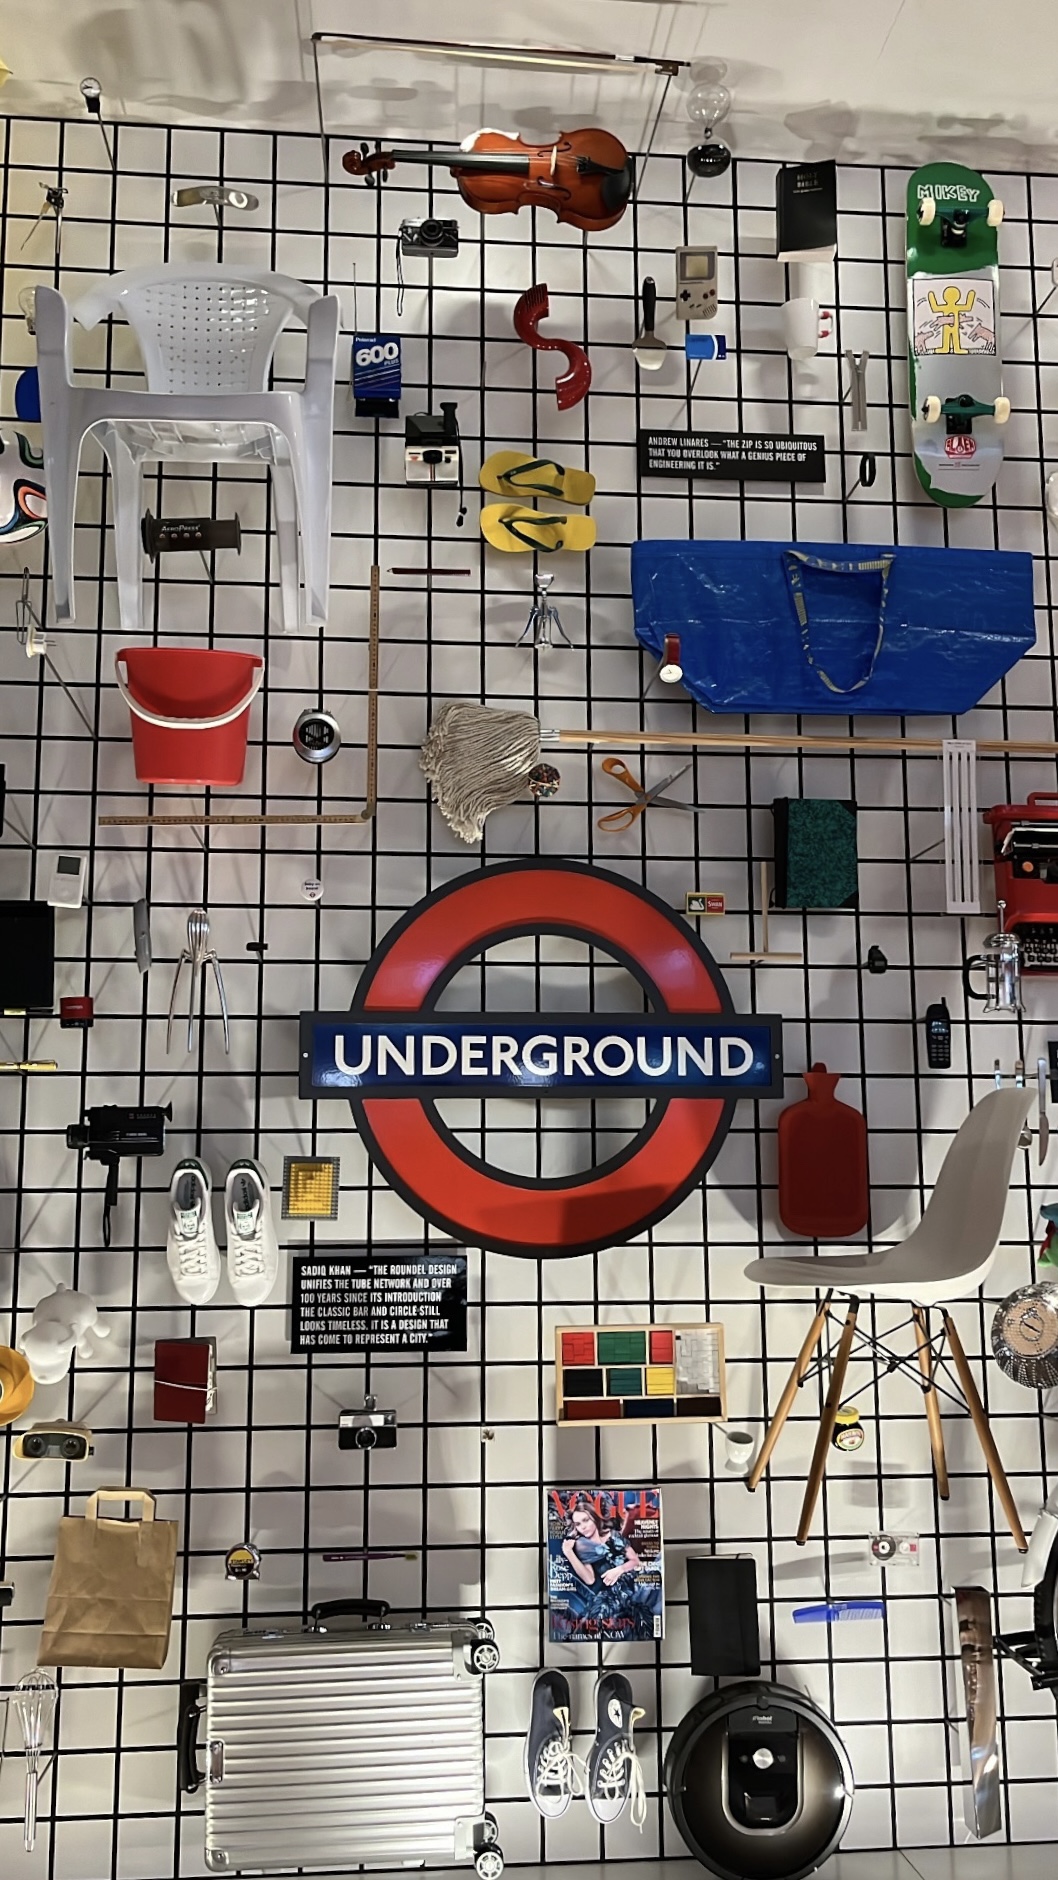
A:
x: 362, y: 163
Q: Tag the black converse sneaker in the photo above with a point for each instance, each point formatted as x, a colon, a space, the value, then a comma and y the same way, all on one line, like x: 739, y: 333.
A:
x: 615, y: 1773
x: 552, y: 1772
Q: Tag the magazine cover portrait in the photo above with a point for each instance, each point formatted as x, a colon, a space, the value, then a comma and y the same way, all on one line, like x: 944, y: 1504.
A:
x: 605, y: 1577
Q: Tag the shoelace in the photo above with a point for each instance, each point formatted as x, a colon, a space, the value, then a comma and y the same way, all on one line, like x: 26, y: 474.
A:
x: 190, y: 1230
x: 248, y: 1247
x: 556, y: 1765
x: 610, y: 1779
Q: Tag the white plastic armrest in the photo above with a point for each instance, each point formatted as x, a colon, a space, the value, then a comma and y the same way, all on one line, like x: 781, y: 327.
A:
x: 96, y: 305
x: 322, y: 333
x: 54, y: 328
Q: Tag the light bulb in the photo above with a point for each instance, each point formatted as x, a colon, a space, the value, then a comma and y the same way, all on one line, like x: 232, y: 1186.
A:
x: 708, y: 105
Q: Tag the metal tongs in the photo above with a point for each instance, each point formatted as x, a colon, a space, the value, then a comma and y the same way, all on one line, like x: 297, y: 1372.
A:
x: 197, y: 952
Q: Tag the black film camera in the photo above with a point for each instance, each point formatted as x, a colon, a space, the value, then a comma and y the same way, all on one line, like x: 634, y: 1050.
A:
x: 432, y: 236
x: 369, y: 1428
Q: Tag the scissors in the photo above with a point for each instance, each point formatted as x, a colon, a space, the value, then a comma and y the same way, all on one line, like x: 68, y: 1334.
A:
x: 624, y: 818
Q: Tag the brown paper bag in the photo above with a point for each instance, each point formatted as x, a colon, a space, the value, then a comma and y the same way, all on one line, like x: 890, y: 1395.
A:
x: 110, y: 1602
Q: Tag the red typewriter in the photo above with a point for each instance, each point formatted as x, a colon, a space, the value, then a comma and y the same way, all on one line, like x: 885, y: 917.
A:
x: 1025, y: 841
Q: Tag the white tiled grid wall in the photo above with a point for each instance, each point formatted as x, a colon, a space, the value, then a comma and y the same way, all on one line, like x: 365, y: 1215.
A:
x: 268, y: 1466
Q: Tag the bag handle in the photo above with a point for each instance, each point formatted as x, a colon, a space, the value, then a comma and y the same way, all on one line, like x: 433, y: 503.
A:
x: 326, y: 1609
x: 186, y: 724
x: 881, y: 564
x: 141, y: 1495
x: 1042, y: 796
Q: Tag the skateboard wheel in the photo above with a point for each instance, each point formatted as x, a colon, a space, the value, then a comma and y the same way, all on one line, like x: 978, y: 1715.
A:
x: 1001, y: 410
x: 931, y: 410
x: 927, y: 210
x: 995, y: 212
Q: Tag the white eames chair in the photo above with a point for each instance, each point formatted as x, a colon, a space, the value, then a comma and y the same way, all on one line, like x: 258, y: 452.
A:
x: 948, y: 1256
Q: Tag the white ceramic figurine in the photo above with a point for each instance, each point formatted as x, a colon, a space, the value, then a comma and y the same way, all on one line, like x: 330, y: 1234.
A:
x: 60, y: 1325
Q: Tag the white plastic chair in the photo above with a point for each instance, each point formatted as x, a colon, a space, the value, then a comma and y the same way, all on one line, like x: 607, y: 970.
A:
x: 207, y: 333
x: 947, y: 1256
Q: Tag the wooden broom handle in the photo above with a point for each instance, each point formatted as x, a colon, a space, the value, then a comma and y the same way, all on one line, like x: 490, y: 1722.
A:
x: 760, y: 741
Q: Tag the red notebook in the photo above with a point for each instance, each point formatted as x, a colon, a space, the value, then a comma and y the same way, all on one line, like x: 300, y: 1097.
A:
x: 185, y: 1379
x: 824, y: 1190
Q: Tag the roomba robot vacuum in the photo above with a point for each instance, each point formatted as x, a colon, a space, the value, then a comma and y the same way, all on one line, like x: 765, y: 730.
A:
x: 759, y: 1783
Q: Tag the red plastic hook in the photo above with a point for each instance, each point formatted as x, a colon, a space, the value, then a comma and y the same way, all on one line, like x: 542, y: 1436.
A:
x: 571, y: 386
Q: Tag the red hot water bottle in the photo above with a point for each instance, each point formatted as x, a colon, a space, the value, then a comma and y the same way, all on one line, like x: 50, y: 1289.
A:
x: 824, y: 1190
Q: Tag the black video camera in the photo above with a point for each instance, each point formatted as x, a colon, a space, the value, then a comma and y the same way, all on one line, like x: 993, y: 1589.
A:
x: 110, y: 1130
x: 431, y: 236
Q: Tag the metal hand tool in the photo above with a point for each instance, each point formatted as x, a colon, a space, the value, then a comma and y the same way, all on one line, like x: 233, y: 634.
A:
x: 197, y: 952
x: 543, y: 618
x: 649, y: 351
x: 857, y: 364
x: 624, y: 818
x: 1025, y: 1138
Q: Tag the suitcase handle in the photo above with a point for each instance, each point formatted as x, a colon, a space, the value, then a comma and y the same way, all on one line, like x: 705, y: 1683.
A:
x: 346, y: 1609
x: 190, y: 1775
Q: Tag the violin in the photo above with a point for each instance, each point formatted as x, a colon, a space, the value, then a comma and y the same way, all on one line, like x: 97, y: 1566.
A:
x: 584, y: 177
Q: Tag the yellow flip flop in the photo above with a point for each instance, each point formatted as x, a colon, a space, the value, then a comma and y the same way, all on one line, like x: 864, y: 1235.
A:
x: 518, y: 531
x: 512, y: 473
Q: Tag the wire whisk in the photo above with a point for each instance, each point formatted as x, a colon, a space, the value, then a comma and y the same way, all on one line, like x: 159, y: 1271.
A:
x: 34, y: 1701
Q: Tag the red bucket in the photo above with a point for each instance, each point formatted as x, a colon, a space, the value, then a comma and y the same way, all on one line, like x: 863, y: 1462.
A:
x: 190, y: 712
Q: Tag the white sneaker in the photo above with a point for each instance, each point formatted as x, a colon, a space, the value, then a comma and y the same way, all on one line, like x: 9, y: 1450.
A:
x: 253, y: 1250
x: 191, y: 1245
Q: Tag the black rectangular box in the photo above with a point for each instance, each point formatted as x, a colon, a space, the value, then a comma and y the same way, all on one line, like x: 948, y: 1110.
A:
x: 27, y: 956
x: 806, y: 211
x: 722, y: 1602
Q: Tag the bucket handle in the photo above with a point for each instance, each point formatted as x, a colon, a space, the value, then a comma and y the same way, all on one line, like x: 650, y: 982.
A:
x: 187, y: 724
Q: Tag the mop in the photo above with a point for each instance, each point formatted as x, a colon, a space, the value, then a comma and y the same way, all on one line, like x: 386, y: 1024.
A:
x: 479, y: 758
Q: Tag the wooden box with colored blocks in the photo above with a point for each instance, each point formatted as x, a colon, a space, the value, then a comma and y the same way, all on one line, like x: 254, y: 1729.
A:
x: 639, y: 1373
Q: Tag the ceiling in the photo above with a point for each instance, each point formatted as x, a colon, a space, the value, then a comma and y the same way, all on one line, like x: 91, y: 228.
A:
x: 856, y: 79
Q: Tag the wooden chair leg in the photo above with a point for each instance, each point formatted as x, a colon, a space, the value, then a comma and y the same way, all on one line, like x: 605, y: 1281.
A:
x: 793, y: 1385
x: 984, y: 1435
x: 827, y: 1421
x: 932, y: 1402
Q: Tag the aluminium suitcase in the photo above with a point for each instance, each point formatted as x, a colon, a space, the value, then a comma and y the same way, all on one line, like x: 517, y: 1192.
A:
x: 335, y: 1748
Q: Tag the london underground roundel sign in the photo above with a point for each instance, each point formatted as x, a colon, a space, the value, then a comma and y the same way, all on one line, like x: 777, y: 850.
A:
x: 393, y: 1054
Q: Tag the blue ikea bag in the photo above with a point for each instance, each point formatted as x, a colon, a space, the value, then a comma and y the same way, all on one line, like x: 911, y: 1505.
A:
x: 831, y: 627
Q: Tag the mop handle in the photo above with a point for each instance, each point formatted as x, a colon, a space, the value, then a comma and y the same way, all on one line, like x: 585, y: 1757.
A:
x: 758, y: 741
x: 270, y: 821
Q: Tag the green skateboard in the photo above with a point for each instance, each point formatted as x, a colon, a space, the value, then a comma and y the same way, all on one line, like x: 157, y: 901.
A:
x: 955, y: 375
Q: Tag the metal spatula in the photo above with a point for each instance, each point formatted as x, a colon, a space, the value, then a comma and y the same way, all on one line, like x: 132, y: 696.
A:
x: 649, y: 349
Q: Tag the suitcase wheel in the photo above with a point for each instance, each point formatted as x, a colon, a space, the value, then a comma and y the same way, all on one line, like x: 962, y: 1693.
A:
x: 484, y: 1657
x: 484, y: 1628
x: 488, y: 1862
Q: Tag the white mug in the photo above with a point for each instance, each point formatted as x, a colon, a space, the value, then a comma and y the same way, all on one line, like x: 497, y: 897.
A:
x: 804, y: 324
x: 740, y: 1445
